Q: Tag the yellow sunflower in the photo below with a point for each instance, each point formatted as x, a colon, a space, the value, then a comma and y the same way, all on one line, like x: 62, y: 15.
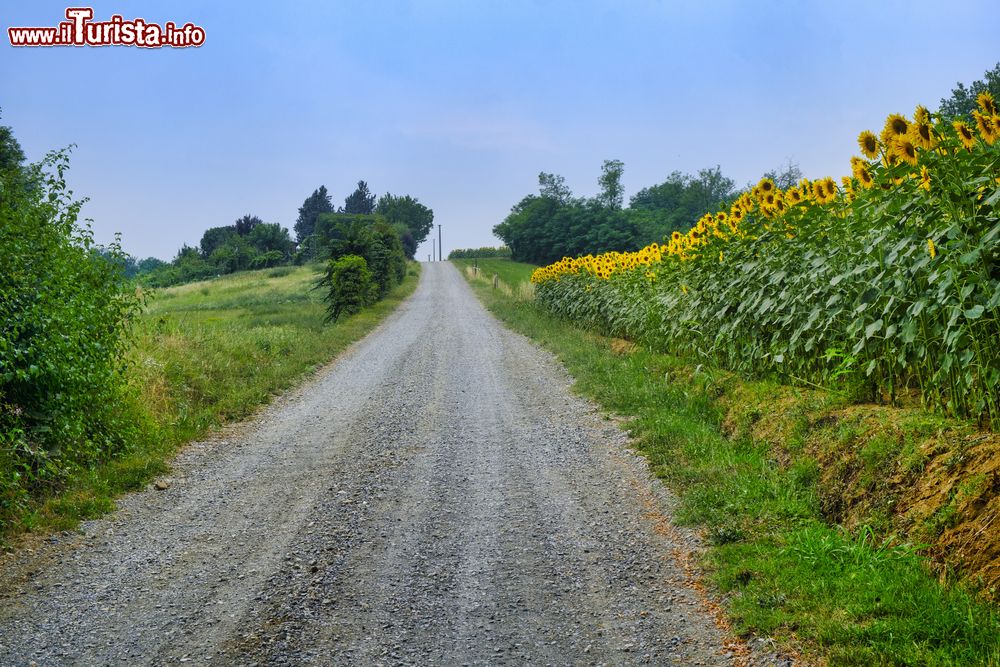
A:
x: 986, y: 103
x: 765, y: 185
x: 925, y: 179
x: 896, y: 125
x: 965, y: 134
x: 864, y: 176
x: 794, y: 196
x: 921, y: 114
x: 869, y: 144
x: 905, y: 150
x: 987, y: 128
x: 922, y: 134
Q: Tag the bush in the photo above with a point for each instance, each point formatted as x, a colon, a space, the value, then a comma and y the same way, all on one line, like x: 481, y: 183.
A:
x: 66, y: 316
x: 349, y: 284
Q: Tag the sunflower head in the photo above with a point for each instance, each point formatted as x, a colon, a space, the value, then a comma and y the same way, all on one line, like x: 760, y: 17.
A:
x: 987, y: 127
x: 922, y: 134
x: 794, y: 196
x: 905, y: 150
x: 986, y: 103
x: 895, y: 126
x: 765, y: 185
x: 869, y: 144
x: 925, y: 179
x: 921, y: 114
x: 965, y: 134
x: 864, y: 176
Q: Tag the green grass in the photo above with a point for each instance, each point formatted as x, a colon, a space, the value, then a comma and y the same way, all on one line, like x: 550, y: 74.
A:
x: 511, y: 273
x: 848, y: 599
x: 208, y: 353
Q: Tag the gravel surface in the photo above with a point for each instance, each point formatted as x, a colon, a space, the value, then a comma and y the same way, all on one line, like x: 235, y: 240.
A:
x: 435, y: 496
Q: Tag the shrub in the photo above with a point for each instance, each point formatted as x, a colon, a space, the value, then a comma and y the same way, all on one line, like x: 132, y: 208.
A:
x: 66, y: 316
x: 349, y: 286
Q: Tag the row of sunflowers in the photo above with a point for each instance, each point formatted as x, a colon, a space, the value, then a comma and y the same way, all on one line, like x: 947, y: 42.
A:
x: 888, y: 282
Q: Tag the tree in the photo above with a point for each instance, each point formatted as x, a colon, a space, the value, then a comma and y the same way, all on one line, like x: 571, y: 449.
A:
x: 963, y: 100
x: 316, y: 203
x: 554, y: 186
x: 214, y: 237
x: 246, y: 224
x: 269, y: 237
x: 349, y: 286
x: 361, y: 201
x: 612, y: 192
x: 407, y: 212
x: 11, y: 155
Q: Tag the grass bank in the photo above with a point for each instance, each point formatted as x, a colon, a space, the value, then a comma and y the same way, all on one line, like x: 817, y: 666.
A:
x: 799, y: 495
x: 208, y: 353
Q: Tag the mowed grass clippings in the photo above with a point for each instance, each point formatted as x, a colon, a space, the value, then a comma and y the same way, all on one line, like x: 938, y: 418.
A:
x: 820, y: 591
x: 208, y: 353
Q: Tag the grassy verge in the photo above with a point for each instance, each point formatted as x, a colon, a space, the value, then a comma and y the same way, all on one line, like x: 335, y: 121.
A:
x: 783, y: 568
x: 208, y: 353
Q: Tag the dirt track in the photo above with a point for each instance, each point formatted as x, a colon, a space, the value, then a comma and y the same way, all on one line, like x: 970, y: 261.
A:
x: 436, y: 496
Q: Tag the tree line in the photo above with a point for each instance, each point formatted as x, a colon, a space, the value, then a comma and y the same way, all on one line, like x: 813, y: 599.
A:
x: 251, y: 243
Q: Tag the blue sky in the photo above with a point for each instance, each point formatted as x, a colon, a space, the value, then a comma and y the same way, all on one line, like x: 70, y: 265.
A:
x: 462, y: 103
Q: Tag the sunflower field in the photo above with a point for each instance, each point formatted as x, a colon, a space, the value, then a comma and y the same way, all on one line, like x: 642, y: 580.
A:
x: 886, y: 282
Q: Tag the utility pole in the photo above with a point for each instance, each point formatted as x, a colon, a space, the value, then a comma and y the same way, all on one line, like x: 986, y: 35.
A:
x: 433, y: 249
x: 440, y: 247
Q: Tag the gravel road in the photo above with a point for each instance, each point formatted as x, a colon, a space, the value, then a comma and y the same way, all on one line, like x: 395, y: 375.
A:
x: 435, y: 496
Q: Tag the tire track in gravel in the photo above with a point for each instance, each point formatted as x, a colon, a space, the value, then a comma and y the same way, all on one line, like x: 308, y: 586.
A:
x: 435, y: 496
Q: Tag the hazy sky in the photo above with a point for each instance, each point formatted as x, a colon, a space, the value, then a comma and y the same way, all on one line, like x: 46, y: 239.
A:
x: 462, y: 103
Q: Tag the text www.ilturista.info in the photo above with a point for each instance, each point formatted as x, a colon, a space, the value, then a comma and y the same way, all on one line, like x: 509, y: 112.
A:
x: 80, y: 30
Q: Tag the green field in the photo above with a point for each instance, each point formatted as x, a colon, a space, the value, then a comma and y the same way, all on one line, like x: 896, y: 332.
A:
x: 207, y: 353
x: 856, y: 598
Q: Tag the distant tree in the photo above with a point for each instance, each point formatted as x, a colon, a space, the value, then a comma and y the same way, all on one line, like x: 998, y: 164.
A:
x: 963, y: 100
x: 271, y: 237
x: 316, y: 203
x: 361, y: 201
x: 149, y: 264
x: 236, y: 254
x: 710, y: 190
x: 246, y: 224
x: 612, y: 191
x: 409, y: 213
x: 11, y: 155
x: 677, y: 203
x: 554, y: 186
x: 215, y: 237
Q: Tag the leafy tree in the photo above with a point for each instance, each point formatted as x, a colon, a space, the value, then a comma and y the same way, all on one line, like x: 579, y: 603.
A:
x: 554, y: 186
x: 408, y: 212
x: 236, y: 254
x: 271, y: 237
x: 149, y: 264
x: 361, y: 201
x: 963, y: 100
x: 246, y: 224
x: 315, y: 204
x: 11, y: 155
x: 215, y: 237
x: 612, y: 191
